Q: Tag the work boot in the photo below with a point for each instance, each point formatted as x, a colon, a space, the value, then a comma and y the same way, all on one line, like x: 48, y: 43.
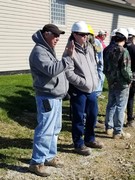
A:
x: 109, y: 132
x: 39, y: 169
x: 83, y: 150
x: 122, y: 136
x: 130, y: 124
x: 55, y: 162
x: 94, y: 144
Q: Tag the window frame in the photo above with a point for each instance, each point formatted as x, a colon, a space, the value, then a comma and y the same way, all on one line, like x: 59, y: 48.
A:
x: 59, y: 21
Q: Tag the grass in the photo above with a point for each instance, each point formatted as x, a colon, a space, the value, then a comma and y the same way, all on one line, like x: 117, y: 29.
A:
x: 18, y: 119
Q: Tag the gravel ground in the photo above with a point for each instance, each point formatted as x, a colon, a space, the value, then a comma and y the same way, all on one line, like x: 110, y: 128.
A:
x: 116, y: 161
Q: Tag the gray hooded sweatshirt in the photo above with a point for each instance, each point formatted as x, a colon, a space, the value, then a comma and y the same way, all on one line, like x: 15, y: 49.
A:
x: 82, y: 74
x: 48, y: 73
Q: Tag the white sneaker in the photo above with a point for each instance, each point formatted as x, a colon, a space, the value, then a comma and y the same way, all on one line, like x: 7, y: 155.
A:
x: 122, y: 135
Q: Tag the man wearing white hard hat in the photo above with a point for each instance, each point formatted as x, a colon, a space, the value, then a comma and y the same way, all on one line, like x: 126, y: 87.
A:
x: 113, y: 34
x: 117, y: 68
x: 83, y: 79
x: 112, y: 37
x: 130, y: 45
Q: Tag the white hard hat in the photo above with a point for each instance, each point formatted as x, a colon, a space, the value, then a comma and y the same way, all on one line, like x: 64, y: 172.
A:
x: 123, y: 31
x: 80, y: 26
x: 131, y: 31
x: 113, y: 33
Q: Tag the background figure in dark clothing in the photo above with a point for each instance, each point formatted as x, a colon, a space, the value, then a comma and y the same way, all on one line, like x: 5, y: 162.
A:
x: 113, y: 34
x: 117, y: 68
x: 131, y: 48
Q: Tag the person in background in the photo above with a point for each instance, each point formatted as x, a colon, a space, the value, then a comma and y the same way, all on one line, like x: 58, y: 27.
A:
x: 83, y: 79
x: 50, y: 86
x: 99, y: 46
x: 100, y: 64
x: 109, y: 131
x: 112, y: 40
x: 113, y: 34
x: 91, y: 37
x: 98, y: 51
x: 102, y: 34
x: 117, y: 68
x: 130, y: 45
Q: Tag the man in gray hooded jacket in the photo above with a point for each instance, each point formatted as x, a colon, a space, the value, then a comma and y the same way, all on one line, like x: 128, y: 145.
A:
x: 50, y: 86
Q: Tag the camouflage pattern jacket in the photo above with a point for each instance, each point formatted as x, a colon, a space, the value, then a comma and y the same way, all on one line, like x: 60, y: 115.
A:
x: 117, y: 66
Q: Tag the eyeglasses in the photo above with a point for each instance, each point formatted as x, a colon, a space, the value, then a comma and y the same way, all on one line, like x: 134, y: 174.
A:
x: 82, y: 34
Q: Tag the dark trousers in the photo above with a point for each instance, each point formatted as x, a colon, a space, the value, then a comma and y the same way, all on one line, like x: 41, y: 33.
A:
x: 130, y: 104
x: 83, y: 104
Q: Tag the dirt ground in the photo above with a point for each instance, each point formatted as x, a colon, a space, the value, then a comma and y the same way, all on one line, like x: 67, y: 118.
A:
x: 116, y: 161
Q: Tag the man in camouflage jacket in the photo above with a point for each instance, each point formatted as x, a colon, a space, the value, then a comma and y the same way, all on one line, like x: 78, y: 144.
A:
x: 117, y: 68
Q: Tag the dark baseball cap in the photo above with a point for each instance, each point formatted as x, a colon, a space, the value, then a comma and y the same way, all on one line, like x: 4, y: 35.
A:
x: 52, y: 28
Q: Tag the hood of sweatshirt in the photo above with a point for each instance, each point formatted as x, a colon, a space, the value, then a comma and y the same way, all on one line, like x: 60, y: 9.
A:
x: 39, y: 39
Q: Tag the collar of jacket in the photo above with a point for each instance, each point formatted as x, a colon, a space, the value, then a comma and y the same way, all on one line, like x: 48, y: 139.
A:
x: 81, y: 49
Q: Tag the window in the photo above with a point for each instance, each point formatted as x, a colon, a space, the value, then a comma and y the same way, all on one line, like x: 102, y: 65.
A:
x: 58, y: 12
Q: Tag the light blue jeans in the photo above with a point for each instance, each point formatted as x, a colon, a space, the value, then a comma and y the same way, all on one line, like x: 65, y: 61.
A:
x: 117, y: 102
x: 100, y: 83
x: 47, y: 130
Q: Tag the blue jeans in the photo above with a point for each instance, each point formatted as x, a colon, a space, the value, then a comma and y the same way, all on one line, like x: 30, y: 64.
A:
x: 83, y: 104
x: 117, y: 102
x: 47, y: 130
x: 100, y: 83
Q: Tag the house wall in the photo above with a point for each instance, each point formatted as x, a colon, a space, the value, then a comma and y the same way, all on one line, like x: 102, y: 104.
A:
x: 99, y: 15
x: 19, y: 19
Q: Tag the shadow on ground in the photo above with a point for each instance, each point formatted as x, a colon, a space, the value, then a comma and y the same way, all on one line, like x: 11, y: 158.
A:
x: 21, y: 107
x: 24, y: 143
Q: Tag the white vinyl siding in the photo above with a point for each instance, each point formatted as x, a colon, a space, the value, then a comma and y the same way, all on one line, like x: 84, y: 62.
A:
x: 126, y: 21
x: 99, y: 15
x: 19, y: 19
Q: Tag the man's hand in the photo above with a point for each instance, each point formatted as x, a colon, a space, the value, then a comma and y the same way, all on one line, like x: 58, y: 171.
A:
x: 69, y: 50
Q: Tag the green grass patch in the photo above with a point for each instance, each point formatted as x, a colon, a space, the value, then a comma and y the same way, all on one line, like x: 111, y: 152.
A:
x: 18, y: 119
